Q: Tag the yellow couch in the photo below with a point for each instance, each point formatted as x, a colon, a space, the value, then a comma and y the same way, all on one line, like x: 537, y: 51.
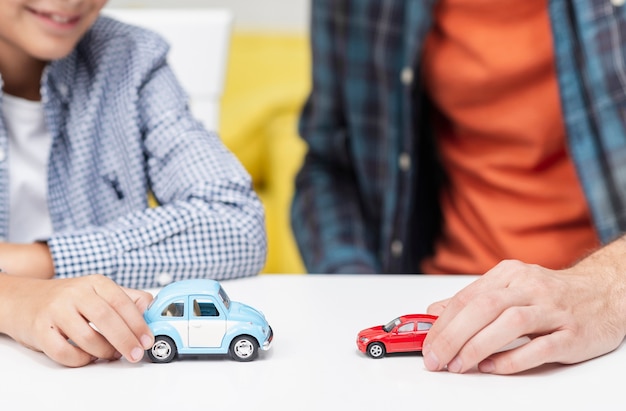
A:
x: 267, y: 82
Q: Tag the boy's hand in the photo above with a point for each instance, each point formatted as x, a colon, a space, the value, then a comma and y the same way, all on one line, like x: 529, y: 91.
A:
x: 76, y: 321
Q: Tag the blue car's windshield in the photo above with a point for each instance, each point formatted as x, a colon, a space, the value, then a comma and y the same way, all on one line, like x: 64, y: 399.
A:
x: 224, y: 298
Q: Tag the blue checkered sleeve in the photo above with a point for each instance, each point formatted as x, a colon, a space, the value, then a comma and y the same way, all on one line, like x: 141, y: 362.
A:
x: 122, y: 130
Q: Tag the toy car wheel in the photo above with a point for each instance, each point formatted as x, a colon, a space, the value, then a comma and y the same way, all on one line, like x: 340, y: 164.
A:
x: 376, y: 350
x: 244, y: 348
x: 163, y: 350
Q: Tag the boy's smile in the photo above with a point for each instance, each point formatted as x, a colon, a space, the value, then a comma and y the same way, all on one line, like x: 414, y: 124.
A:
x: 44, y: 29
x: 61, y: 21
x: 33, y: 32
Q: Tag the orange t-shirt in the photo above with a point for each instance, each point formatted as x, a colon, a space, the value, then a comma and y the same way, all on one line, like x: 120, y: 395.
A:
x: 513, y: 191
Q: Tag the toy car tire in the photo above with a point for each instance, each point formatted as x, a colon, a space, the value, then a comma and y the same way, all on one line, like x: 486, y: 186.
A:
x: 244, y: 348
x: 376, y: 350
x: 163, y: 350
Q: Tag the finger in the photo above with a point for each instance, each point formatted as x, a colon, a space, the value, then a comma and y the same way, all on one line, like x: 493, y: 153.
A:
x: 444, y: 341
x: 56, y: 346
x: 500, y: 334
x: 116, y: 316
x: 498, y: 278
x: 141, y: 298
x: 540, y: 350
x: 130, y: 305
x: 494, y: 279
x: 438, y: 307
x: 115, y: 329
x: 81, y: 334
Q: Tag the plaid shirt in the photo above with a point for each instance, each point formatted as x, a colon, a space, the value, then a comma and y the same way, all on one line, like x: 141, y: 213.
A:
x: 120, y: 128
x: 367, y: 195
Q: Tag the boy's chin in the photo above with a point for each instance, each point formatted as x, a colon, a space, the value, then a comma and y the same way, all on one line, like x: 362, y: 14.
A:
x: 52, y: 53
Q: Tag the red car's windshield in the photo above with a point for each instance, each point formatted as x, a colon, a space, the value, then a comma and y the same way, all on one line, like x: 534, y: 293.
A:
x: 389, y: 326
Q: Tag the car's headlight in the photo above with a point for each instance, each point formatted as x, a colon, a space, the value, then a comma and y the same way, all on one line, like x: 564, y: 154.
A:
x: 363, y: 339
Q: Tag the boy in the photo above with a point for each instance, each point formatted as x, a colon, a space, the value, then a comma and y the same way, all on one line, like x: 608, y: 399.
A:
x: 93, y: 119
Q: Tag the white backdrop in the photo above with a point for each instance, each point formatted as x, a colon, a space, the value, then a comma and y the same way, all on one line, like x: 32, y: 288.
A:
x: 282, y: 15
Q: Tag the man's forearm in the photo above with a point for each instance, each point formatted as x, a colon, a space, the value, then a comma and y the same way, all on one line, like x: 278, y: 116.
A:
x: 606, y: 269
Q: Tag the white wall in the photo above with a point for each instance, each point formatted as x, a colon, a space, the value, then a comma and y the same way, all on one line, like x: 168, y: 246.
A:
x: 281, y: 15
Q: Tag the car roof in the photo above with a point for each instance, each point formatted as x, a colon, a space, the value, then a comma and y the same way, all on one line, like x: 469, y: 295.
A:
x: 427, y: 317
x: 188, y: 287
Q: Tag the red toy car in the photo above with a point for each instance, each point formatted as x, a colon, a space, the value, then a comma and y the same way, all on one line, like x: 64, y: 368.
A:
x: 402, y: 334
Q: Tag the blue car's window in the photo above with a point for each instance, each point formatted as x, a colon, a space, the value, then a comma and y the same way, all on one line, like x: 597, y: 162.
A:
x: 175, y: 309
x: 204, y: 309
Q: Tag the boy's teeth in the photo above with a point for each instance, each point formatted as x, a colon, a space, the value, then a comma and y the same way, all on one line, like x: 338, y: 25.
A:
x: 59, y: 19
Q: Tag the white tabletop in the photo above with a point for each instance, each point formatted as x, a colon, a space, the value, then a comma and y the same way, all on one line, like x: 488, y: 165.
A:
x: 313, y: 363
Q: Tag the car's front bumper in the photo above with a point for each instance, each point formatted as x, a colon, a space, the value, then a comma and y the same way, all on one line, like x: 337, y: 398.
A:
x: 362, y: 346
x: 268, y: 342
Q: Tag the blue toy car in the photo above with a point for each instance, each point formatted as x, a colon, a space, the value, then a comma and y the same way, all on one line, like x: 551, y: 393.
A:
x: 197, y: 317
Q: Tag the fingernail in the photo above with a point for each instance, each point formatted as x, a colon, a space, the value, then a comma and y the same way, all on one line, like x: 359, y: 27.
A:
x: 136, y: 354
x: 455, y: 365
x: 430, y: 360
x: 146, y: 341
x: 487, y: 366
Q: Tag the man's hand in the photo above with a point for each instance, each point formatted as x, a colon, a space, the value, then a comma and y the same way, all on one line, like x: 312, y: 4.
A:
x: 75, y: 321
x: 569, y: 316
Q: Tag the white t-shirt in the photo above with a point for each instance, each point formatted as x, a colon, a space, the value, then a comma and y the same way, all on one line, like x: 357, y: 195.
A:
x: 29, y: 150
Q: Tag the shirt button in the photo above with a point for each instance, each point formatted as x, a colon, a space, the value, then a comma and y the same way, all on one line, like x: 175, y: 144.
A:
x: 404, y: 161
x: 63, y: 89
x: 164, y: 279
x: 618, y: 3
x: 406, y: 75
x: 396, y: 248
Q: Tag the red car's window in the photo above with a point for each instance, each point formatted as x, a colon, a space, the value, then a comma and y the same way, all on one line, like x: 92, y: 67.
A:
x: 406, y: 328
x: 423, y: 326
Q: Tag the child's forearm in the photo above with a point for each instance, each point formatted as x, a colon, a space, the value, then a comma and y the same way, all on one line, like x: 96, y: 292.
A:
x: 10, y: 295
x: 27, y: 260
